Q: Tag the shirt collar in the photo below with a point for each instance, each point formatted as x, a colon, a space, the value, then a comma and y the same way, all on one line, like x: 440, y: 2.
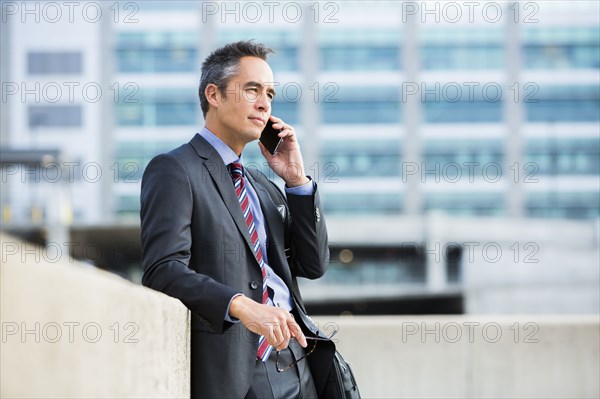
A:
x: 225, y: 152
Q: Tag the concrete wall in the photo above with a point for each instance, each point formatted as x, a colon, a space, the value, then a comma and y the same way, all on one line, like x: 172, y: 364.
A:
x: 73, y: 331
x: 45, y: 353
x: 472, y: 357
x: 528, y: 266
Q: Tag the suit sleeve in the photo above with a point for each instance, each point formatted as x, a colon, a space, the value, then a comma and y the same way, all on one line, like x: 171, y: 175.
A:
x: 166, y: 213
x: 308, y: 235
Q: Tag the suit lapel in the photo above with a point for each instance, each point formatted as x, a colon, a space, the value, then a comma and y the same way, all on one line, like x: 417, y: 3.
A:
x: 213, y: 164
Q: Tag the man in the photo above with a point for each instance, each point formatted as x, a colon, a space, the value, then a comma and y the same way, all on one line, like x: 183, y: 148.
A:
x: 213, y: 233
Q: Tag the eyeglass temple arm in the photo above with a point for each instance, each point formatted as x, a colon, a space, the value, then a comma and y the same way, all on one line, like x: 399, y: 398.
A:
x: 323, y: 339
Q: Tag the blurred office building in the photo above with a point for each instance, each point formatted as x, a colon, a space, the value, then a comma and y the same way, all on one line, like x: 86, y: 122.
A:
x: 456, y: 145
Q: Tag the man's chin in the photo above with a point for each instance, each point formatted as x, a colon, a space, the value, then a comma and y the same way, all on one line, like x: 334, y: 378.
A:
x: 254, y: 135
x: 251, y: 136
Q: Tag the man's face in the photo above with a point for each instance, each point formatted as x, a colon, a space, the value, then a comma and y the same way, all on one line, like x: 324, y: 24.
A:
x: 245, y: 106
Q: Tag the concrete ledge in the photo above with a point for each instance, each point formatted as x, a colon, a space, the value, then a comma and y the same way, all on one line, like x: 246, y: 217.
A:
x: 72, y: 331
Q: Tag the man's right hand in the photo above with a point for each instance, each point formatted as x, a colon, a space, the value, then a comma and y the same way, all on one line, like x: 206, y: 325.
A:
x: 276, y: 324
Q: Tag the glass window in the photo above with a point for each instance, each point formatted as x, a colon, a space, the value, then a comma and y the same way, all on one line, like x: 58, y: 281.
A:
x: 46, y: 63
x: 360, y: 49
x: 132, y: 157
x: 464, y: 57
x: 128, y: 205
x: 466, y: 160
x: 156, y: 60
x: 462, y: 49
x: 361, y: 158
x: 286, y: 110
x: 476, y: 111
x: 352, y: 105
x: 360, y: 36
x: 564, y: 104
x: 360, y: 58
x: 552, y: 156
x: 362, y: 203
x: 175, y: 113
x: 481, y: 204
x: 570, y: 205
x: 284, y: 59
x: 159, y: 107
x: 554, y: 56
x: 157, y: 52
x: 54, y: 116
x: 561, y: 48
x: 130, y: 114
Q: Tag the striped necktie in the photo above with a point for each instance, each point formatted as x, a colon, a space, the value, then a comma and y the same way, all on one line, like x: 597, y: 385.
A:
x: 237, y: 173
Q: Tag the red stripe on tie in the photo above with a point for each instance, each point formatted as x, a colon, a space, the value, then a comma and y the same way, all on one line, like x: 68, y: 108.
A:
x: 237, y: 174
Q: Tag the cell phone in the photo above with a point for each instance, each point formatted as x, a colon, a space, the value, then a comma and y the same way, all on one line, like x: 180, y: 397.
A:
x: 270, y: 139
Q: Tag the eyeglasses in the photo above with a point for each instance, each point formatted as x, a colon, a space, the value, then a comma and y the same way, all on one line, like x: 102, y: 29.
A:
x: 306, y: 353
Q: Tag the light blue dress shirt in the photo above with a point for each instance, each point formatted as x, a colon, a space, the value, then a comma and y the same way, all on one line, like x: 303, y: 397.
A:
x: 280, y: 293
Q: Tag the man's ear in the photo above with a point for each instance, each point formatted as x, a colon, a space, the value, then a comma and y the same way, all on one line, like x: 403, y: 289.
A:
x: 212, y: 94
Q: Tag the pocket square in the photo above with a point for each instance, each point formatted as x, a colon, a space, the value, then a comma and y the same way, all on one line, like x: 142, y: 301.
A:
x: 282, y: 211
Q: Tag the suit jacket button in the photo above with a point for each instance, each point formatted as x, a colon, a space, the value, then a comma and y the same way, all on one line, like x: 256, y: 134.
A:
x: 254, y: 284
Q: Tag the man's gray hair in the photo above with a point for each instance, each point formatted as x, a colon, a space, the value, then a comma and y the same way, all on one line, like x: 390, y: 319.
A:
x: 223, y: 64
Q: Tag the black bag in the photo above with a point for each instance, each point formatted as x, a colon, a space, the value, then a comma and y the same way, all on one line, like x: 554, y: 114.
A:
x: 341, y: 383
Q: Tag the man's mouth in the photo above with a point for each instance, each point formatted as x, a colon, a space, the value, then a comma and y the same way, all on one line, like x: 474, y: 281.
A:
x: 258, y: 118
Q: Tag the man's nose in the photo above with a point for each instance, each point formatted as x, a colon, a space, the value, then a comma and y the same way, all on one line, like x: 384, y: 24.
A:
x: 263, y: 103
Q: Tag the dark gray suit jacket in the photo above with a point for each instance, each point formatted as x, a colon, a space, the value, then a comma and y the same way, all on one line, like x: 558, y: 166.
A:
x: 196, y: 247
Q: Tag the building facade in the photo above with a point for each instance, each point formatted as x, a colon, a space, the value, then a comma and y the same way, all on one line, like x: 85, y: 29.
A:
x: 403, y: 109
